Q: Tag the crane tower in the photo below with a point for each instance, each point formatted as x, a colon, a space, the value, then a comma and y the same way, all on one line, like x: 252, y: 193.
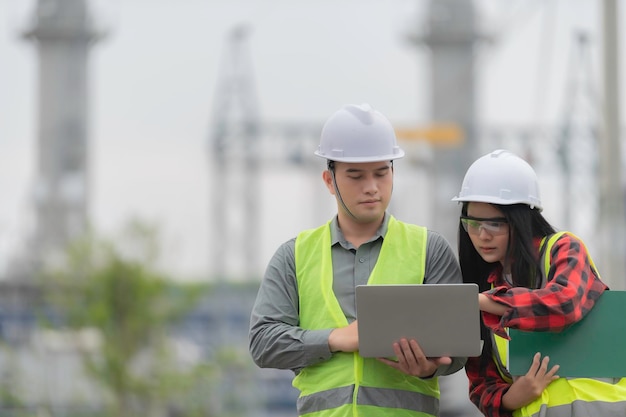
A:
x: 233, y: 150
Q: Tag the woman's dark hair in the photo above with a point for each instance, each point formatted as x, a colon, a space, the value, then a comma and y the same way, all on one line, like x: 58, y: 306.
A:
x: 525, y: 224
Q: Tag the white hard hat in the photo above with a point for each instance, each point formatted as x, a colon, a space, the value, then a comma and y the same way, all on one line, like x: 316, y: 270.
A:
x: 500, y: 177
x: 358, y: 133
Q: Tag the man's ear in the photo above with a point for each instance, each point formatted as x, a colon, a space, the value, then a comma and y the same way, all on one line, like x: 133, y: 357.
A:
x: 328, y: 181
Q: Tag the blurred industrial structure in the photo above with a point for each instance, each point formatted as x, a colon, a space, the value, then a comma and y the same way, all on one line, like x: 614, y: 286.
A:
x: 451, y: 38
x: 243, y: 147
x: 63, y: 33
x: 611, y: 215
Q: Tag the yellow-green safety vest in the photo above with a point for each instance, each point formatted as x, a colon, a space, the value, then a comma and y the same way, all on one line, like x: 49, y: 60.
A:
x: 567, y: 397
x: 348, y: 385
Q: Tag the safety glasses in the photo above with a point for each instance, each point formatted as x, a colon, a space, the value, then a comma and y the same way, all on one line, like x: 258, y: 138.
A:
x: 494, y: 226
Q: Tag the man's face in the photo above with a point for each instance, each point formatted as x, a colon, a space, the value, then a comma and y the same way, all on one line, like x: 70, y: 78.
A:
x: 364, y: 187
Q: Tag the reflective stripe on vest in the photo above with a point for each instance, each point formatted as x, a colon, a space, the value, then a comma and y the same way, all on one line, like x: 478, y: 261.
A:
x: 566, y: 397
x: 347, y: 384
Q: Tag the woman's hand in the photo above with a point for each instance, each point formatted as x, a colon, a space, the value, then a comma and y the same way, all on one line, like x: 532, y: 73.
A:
x: 527, y: 388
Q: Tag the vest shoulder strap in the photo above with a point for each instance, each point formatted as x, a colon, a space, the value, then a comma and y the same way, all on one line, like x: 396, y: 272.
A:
x: 545, y: 249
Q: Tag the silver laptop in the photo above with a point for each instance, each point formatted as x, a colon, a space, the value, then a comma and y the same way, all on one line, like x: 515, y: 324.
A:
x: 443, y: 318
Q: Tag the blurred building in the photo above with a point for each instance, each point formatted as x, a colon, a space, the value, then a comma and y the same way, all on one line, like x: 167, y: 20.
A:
x: 63, y: 32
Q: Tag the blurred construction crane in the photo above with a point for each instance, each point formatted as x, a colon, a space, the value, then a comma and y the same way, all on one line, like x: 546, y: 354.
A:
x: 577, y: 144
x: 234, y: 142
x: 589, y: 150
x: 240, y: 146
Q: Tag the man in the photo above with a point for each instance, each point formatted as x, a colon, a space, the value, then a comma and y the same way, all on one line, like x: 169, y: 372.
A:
x: 304, y: 317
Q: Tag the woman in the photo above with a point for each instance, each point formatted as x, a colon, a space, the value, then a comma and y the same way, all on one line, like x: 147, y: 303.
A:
x: 501, y: 242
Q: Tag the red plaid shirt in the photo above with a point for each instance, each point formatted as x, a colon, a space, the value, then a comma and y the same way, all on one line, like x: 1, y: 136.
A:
x: 571, y: 291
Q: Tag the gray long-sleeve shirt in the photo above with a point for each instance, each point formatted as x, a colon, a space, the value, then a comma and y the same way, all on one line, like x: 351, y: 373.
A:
x: 277, y: 341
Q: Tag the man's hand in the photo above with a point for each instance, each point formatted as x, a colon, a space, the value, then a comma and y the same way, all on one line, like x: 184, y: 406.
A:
x: 344, y: 339
x: 412, y: 361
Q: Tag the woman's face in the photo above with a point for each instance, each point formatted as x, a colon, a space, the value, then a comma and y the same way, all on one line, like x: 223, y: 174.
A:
x: 488, y: 231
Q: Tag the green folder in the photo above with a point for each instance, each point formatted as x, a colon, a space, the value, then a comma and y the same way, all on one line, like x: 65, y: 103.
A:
x: 595, y: 347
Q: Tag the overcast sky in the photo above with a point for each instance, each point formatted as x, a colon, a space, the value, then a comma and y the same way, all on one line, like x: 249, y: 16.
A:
x: 152, y: 91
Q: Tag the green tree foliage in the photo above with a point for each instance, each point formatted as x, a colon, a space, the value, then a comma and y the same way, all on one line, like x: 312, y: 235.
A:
x: 114, y: 289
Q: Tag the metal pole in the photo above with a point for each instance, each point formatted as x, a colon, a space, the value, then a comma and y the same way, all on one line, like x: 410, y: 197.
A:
x: 612, y: 216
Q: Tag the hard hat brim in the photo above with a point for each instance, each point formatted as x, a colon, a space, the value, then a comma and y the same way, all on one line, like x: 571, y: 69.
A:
x: 358, y: 159
x: 494, y: 200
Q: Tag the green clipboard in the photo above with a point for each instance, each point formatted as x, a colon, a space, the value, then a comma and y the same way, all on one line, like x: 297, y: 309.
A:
x: 595, y: 347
